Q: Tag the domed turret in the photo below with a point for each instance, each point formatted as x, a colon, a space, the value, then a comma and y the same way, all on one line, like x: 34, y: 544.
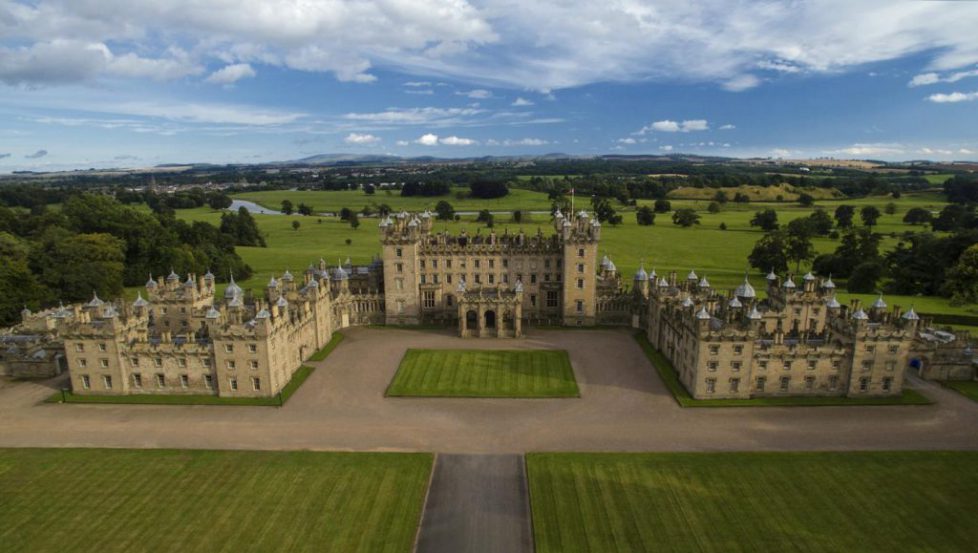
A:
x: 704, y: 283
x: 519, y: 287
x: 754, y: 314
x: 745, y: 290
x: 692, y: 276
x: 833, y: 303
x: 287, y: 277
x: 140, y: 302
x: 879, y: 303
x: 910, y: 315
x: 860, y: 315
x: 95, y: 301
x: 771, y: 276
x: 703, y: 314
x: 734, y: 303
x: 232, y: 290
x: 828, y: 284
x: 151, y: 284
x: 688, y: 302
x: 273, y: 282
x: 641, y: 275
x: 213, y: 313
x: 789, y: 284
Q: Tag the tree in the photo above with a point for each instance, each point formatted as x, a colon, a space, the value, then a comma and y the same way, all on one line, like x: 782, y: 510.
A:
x: 857, y: 246
x: 296, y: 225
x: 720, y: 197
x: 714, y: 207
x: 305, y: 209
x: 864, y: 277
x: 243, y: 229
x: 219, y: 201
x: 890, y: 208
x: 806, y: 200
x: 287, y: 207
x: 604, y: 211
x: 870, y: 215
x: 354, y: 221
x: 821, y: 222
x: 444, y: 211
x: 75, y: 265
x: 521, y: 216
x: 954, y: 217
x: 961, y: 189
x: 770, y: 253
x: 19, y: 284
x: 723, y: 226
x: 766, y: 219
x: 488, y: 189
x: 663, y: 206
x: 799, y: 242
x: 844, y: 215
x: 369, y: 189
x: 645, y: 216
x: 961, y: 283
x: 345, y: 213
x: 485, y: 216
x: 685, y: 217
x: 741, y: 198
x: 917, y: 216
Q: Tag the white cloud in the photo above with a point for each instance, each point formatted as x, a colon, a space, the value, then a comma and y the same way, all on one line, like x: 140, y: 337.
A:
x: 427, y: 140
x: 741, y: 82
x: 965, y: 151
x: 417, y: 84
x: 361, y: 139
x: 521, y: 102
x: 778, y: 65
x: 477, y: 94
x: 402, y: 142
x: 870, y: 150
x: 935, y: 151
x: 526, y: 142
x: 727, y: 127
x: 628, y: 140
x: 667, y: 125
x: 666, y: 148
x: 456, y: 141
x: 780, y: 152
x: 933, y: 78
x: 420, y: 91
x: 953, y: 97
x: 230, y: 74
x: 415, y: 116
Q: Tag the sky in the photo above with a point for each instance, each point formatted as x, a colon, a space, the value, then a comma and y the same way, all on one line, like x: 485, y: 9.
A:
x: 136, y: 83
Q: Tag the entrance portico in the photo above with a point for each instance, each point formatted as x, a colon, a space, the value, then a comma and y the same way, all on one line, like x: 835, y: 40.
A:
x: 490, y: 312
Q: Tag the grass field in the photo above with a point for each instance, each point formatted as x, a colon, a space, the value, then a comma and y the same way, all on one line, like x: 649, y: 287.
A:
x: 300, y: 376
x: 333, y: 201
x: 720, y: 255
x: 968, y: 388
x: 754, y: 502
x: 669, y: 377
x: 484, y: 373
x: 112, y: 500
x: 322, y: 354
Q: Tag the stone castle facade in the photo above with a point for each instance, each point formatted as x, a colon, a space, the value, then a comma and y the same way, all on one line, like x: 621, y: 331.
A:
x: 184, y: 338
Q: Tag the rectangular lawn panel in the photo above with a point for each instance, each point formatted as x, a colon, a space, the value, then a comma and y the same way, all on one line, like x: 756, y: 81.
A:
x: 754, y: 502
x: 484, y: 373
x: 112, y: 500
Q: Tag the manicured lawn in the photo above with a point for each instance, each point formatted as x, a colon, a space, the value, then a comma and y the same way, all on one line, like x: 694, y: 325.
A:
x: 669, y: 377
x: 322, y: 354
x: 754, y: 502
x: 968, y: 388
x: 298, y: 378
x: 484, y: 373
x: 112, y: 500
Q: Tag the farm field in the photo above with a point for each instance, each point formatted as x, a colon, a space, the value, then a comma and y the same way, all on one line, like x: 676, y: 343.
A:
x: 720, y: 255
x: 730, y: 502
x: 106, y: 500
x: 484, y: 373
x: 334, y: 200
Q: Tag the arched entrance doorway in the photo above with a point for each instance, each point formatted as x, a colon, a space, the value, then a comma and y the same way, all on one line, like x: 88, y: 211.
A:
x: 490, y: 319
x: 471, y: 320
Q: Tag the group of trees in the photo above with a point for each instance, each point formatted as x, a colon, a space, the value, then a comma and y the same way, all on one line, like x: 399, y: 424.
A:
x: 95, y: 243
x: 427, y: 188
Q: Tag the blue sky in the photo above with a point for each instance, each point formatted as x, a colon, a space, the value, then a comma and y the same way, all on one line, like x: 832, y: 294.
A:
x: 131, y: 83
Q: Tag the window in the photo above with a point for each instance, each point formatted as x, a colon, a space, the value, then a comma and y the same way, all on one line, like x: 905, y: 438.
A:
x: 546, y: 263
x: 785, y: 382
x: 477, y: 263
x: 429, y: 299
x: 714, y: 350
x: 83, y: 363
x: 181, y: 362
x: 533, y: 300
x: 492, y: 263
x: 253, y: 365
x: 533, y: 278
x: 184, y: 381
x: 711, y: 385
x: 252, y: 348
x: 870, y: 348
x: 812, y: 363
x: 863, y: 384
x: 762, y: 365
x: 256, y: 384
x: 887, y: 384
x: 399, y: 283
x: 551, y: 298
x: 837, y: 364
x: 209, y: 381
x: 448, y: 300
x: 448, y: 263
x: 492, y: 279
x: 158, y: 361
x: 104, y: 363
x: 580, y: 306
x: 207, y: 362
x: 400, y: 306
x: 867, y: 365
x: 398, y: 252
x: 101, y: 347
x: 787, y: 364
x: 229, y: 348
x: 160, y: 380
x: 233, y: 383
x: 421, y: 264
x: 833, y: 382
x: 738, y: 350
x: 712, y: 366
x: 231, y: 365
x: 399, y: 267
x: 580, y: 252
x: 809, y: 383
x: 735, y: 366
x: 893, y: 349
x: 86, y: 382
x: 478, y: 279
x: 434, y: 263
x: 734, y: 384
x: 448, y: 278
x: 424, y: 279
x: 580, y: 267
x: 505, y: 264
x: 580, y: 283
x: 761, y: 383
x: 134, y: 361
x: 137, y: 380
x: 80, y: 348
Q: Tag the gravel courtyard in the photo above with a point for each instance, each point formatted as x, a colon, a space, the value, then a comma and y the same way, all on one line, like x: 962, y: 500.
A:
x: 623, y: 407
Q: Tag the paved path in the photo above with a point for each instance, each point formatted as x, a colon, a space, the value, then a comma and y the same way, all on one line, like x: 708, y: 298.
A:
x: 477, y: 504
x: 624, y: 406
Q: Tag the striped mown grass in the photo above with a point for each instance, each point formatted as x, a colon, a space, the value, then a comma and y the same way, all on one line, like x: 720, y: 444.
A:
x: 484, y: 373
x: 754, y: 502
x: 112, y: 500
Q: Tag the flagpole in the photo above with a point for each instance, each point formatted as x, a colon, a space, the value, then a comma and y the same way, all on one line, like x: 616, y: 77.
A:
x: 572, y: 201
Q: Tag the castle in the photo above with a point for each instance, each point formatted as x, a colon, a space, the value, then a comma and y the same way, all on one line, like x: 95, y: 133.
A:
x: 182, y: 338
